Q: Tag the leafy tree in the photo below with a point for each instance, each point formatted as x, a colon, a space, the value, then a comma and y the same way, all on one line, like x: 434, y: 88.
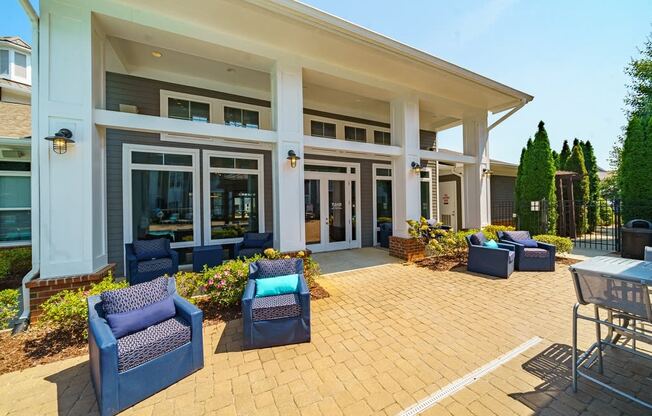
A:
x: 635, y: 174
x: 575, y: 163
x: 537, y: 183
x: 609, y: 188
x: 564, y: 155
x: 591, y: 165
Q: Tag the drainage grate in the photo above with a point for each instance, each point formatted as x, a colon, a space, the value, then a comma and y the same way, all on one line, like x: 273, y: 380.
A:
x: 470, y: 378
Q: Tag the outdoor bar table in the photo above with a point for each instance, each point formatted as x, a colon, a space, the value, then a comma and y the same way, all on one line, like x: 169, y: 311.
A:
x: 619, y: 286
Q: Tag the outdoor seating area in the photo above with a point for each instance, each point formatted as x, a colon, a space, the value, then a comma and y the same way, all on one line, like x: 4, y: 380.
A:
x: 370, y: 352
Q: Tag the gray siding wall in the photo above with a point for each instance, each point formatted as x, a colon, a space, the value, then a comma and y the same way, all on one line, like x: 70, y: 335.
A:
x: 114, y: 143
x: 366, y: 194
x: 427, y: 139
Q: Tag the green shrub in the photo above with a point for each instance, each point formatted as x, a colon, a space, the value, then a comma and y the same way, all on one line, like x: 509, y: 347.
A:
x: 605, y: 213
x: 190, y: 284
x: 8, y: 306
x: 67, y: 310
x: 491, y: 231
x: 15, y: 262
x: 563, y: 244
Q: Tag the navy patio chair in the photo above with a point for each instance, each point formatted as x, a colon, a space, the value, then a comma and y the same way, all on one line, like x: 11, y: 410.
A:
x: 149, y: 259
x: 252, y: 244
x: 141, y: 339
x: 531, y: 255
x: 279, y: 319
x: 497, y: 262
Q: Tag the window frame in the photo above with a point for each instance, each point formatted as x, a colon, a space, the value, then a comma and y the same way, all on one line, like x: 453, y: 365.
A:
x: 323, y: 123
x: 242, y: 110
x: 206, y: 190
x: 127, y: 196
x: 384, y: 132
x: 16, y: 66
x: 427, y: 179
x: 355, y: 129
x: 377, y: 177
x: 8, y: 51
x: 167, y: 95
x: 22, y: 174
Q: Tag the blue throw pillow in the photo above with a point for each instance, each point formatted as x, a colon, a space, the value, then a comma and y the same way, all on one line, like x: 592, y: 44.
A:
x: 126, y: 323
x: 528, y: 242
x: 490, y: 244
x: 150, y: 249
x: 279, y: 285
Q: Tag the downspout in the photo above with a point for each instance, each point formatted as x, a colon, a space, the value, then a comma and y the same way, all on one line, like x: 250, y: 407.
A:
x: 21, y: 323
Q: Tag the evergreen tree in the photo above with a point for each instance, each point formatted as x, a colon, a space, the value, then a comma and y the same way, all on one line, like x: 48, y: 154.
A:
x: 591, y: 165
x: 537, y: 183
x: 555, y: 157
x: 564, y: 155
x: 575, y: 163
x: 635, y: 174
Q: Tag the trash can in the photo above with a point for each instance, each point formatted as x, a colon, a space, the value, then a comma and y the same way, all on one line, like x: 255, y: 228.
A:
x: 636, y: 234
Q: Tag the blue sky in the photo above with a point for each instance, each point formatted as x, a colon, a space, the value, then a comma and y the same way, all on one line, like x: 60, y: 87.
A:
x: 569, y: 54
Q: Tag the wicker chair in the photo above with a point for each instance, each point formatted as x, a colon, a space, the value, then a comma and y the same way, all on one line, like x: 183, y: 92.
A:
x: 497, y: 262
x: 539, y: 258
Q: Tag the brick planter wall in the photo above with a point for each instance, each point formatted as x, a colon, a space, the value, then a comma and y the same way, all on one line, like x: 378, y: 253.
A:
x: 41, y: 289
x: 409, y: 249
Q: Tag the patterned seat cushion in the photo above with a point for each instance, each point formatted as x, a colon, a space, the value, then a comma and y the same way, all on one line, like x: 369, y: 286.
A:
x: 283, y: 267
x: 150, y: 343
x: 516, y: 235
x: 276, y: 307
x: 539, y: 253
x: 134, y: 297
x: 146, y: 266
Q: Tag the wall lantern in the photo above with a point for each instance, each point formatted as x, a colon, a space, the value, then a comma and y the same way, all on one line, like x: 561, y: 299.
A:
x: 487, y: 172
x: 416, y: 168
x: 60, y: 141
x: 292, y: 157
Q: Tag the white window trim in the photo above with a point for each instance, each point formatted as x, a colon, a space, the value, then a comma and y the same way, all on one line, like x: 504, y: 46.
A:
x: 16, y: 243
x: 207, y: 170
x: 323, y: 121
x: 127, y: 203
x: 216, y: 108
x: 340, y: 126
x: 375, y: 166
x: 11, y: 66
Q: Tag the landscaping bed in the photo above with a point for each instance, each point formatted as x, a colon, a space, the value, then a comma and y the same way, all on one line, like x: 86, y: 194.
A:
x: 62, y: 330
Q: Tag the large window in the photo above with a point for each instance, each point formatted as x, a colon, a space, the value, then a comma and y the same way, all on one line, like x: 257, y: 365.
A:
x: 426, y: 191
x: 15, y: 203
x: 322, y: 129
x: 189, y: 110
x: 383, y: 196
x: 355, y: 134
x: 161, y: 194
x: 233, y: 195
x: 239, y: 117
x: 382, y: 137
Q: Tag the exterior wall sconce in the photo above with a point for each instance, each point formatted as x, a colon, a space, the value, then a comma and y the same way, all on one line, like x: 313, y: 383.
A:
x: 416, y: 168
x: 60, y: 141
x: 292, y: 157
x: 487, y: 172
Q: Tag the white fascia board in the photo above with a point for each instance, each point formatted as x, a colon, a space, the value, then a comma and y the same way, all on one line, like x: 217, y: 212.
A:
x: 444, y: 156
x: 327, y: 21
x: 155, y: 124
x: 350, y: 147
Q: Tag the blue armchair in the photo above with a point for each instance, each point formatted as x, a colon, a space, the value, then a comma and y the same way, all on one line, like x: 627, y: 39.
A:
x: 149, y: 259
x: 128, y: 369
x: 539, y: 258
x: 275, y: 320
x: 497, y: 262
x: 252, y: 244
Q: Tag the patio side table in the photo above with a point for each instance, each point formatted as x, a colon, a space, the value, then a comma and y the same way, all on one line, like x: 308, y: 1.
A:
x: 210, y: 256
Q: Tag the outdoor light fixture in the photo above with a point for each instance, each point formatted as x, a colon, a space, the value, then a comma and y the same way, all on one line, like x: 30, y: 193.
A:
x: 416, y: 168
x: 156, y: 54
x: 487, y: 172
x: 60, y: 141
x: 292, y: 157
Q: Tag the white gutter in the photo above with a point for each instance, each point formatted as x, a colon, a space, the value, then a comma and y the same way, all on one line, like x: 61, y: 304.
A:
x: 35, y: 183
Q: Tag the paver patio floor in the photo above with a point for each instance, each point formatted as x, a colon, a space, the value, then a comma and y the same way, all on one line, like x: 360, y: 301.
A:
x: 386, y: 338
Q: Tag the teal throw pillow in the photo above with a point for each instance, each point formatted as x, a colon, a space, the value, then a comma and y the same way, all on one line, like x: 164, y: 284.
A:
x: 279, y: 285
x: 490, y: 244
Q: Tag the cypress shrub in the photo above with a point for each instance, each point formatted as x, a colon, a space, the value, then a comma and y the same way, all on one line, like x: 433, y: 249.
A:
x: 635, y: 174
x: 591, y: 165
x: 575, y: 163
x: 564, y: 155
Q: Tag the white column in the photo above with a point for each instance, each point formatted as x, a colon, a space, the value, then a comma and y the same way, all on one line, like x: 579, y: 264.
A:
x: 72, y: 231
x: 407, y: 191
x: 287, y: 119
x: 476, y: 192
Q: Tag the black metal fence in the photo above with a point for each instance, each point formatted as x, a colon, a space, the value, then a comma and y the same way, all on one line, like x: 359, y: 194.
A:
x: 590, y: 224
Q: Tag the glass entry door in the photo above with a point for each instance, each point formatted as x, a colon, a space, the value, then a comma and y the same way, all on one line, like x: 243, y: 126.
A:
x: 330, y: 211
